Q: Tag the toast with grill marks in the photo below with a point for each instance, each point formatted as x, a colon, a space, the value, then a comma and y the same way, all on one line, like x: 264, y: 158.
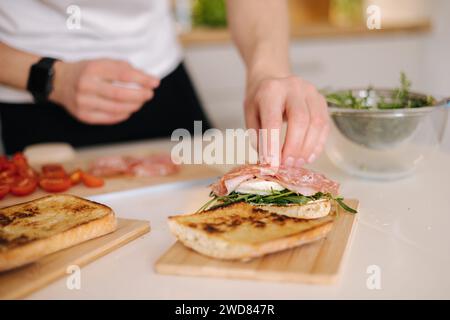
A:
x: 34, y: 229
x: 242, y: 231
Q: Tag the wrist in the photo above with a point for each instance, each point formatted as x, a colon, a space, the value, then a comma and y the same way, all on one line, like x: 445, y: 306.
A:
x: 262, y: 71
x: 57, y: 93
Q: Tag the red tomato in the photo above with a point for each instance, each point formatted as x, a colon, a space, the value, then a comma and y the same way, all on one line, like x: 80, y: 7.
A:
x: 55, y: 184
x: 8, y: 167
x: 19, y: 160
x: 3, y: 161
x: 27, y: 172
x: 75, y: 177
x: 4, y: 190
x: 23, y: 186
x: 91, y: 181
x: 8, y: 180
x: 52, y: 167
x: 6, y: 174
x: 53, y: 171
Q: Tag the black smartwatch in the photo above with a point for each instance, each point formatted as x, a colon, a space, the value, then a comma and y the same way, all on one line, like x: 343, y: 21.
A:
x: 40, y: 79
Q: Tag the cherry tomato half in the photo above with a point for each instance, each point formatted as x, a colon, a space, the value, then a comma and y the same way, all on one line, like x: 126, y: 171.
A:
x: 8, y: 167
x: 53, y: 171
x: 19, y: 160
x: 27, y: 172
x: 91, y: 181
x: 75, y: 177
x: 3, y: 160
x: 23, y: 186
x: 55, y: 184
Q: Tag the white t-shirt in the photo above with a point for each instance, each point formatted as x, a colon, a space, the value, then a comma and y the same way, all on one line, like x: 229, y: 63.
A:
x: 138, y: 31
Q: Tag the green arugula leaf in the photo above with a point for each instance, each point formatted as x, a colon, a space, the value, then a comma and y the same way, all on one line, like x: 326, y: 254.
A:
x: 344, y: 206
x: 283, y: 197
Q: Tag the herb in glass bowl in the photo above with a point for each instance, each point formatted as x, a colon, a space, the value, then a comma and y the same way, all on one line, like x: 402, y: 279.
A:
x: 400, y: 97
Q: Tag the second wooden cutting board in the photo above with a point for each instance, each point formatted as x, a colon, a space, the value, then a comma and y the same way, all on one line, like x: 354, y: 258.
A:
x: 20, y: 282
x: 319, y: 262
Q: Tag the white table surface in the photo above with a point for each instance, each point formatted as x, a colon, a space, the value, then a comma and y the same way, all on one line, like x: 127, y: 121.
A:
x: 403, y: 227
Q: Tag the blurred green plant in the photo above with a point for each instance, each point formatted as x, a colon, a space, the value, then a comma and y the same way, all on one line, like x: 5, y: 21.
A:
x: 211, y: 13
x: 346, y: 12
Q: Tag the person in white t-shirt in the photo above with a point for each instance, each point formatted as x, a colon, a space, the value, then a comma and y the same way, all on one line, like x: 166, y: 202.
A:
x: 93, y: 71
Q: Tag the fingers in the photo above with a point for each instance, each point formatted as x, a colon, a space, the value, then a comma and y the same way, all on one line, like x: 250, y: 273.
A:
x: 317, y: 129
x: 115, y: 70
x: 298, y: 118
x: 130, y: 74
x: 92, y: 103
x: 112, y: 92
x: 322, y: 140
x: 101, y: 118
x: 271, y: 105
x: 252, y: 122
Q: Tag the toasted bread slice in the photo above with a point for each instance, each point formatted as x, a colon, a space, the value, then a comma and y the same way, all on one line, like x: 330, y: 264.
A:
x: 31, y: 230
x: 242, y: 231
x: 311, y: 210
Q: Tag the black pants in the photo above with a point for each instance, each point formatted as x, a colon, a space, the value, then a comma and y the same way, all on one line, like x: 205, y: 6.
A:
x: 175, y: 105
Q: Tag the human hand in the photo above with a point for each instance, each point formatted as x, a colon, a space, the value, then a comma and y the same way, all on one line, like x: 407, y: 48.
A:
x: 270, y: 101
x: 89, y: 90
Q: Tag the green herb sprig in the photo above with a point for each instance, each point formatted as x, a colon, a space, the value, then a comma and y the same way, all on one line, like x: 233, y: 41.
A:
x: 400, y: 98
x: 279, y: 198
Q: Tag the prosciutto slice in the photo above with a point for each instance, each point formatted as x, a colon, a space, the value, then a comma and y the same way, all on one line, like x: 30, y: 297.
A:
x: 299, y: 180
x: 148, y: 166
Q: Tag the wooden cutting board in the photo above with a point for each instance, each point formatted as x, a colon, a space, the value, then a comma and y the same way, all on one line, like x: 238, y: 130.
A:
x: 319, y: 262
x: 122, y: 183
x: 20, y: 282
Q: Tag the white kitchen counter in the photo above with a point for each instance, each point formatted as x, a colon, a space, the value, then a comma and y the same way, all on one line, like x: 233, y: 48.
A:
x: 403, y: 227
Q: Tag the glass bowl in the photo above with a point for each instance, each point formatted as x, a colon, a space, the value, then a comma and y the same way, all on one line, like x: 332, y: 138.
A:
x: 384, y: 143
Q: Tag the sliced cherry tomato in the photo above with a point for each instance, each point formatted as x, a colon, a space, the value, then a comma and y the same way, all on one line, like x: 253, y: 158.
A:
x: 19, y: 160
x: 27, y: 172
x: 91, y: 181
x: 52, y: 167
x: 8, y: 180
x: 53, y: 171
x: 4, y: 190
x: 3, y: 161
x: 5, y: 174
x: 75, y: 177
x: 23, y: 186
x: 9, y: 167
x: 55, y: 184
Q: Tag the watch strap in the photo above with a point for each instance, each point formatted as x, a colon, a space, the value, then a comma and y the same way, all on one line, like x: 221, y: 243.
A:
x: 40, y: 80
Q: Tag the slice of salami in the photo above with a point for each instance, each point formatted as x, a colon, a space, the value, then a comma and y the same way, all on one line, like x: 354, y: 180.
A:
x: 300, y: 180
x: 109, y: 166
x: 148, y: 166
x: 153, y: 165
